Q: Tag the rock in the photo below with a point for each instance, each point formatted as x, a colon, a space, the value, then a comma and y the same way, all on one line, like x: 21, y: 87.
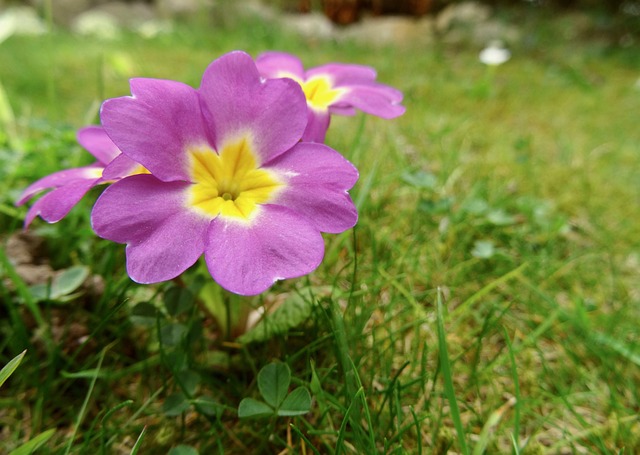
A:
x: 257, y: 9
x: 27, y: 254
x: 20, y: 20
x: 108, y: 20
x: 96, y: 23
x: 471, y: 22
x: 390, y: 30
x: 312, y: 25
x: 128, y: 14
x: 65, y: 11
x: 462, y: 14
x: 182, y: 8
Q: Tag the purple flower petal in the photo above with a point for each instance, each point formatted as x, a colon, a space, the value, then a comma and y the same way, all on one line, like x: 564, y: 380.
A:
x: 163, y: 239
x: 237, y: 102
x: 55, y: 205
x: 317, y: 126
x: 79, y: 175
x: 342, y: 110
x: 96, y: 141
x: 319, y: 178
x: 156, y: 125
x: 342, y: 74
x: 279, y: 64
x: 377, y: 100
x: 248, y: 259
x: 337, y: 86
x: 122, y: 166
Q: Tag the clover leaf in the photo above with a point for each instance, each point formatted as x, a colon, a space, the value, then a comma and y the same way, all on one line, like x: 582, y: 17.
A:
x: 273, y: 383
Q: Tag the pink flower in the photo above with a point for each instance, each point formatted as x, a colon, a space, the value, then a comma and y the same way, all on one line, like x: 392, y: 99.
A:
x: 229, y: 178
x: 70, y: 185
x: 334, y: 88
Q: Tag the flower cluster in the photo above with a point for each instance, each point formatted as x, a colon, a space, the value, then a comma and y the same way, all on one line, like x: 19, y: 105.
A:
x: 235, y: 170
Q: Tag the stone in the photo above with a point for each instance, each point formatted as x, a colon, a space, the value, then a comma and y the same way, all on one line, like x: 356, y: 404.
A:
x: 312, y: 25
x: 390, y: 30
x: 462, y: 14
x: 97, y: 23
x: 128, y: 14
x: 471, y: 23
x: 65, y: 11
x: 255, y: 8
x: 20, y: 20
x: 182, y: 8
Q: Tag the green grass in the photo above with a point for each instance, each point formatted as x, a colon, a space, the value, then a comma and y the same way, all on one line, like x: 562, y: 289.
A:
x: 487, y: 300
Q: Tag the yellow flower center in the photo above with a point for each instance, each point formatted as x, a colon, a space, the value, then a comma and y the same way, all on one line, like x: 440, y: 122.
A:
x: 230, y: 183
x: 319, y: 93
x: 140, y: 169
x: 318, y: 90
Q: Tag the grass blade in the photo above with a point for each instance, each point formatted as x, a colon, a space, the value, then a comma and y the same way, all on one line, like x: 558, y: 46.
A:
x: 489, y: 427
x: 34, y: 444
x: 304, y: 438
x: 346, y: 419
x: 83, y: 409
x: 516, y: 385
x: 10, y: 367
x: 445, y: 365
x: 489, y: 287
x: 136, y: 446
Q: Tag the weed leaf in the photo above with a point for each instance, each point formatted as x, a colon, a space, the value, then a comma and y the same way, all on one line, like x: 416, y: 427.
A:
x: 62, y: 286
x: 273, y: 383
x: 296, y: 403
x: 175, y: 404
x: 253, y: 408
x: 293, y: 312
x: 183, y: 450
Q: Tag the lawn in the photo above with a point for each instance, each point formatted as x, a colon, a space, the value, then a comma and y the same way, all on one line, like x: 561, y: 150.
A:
x: 487, y: 301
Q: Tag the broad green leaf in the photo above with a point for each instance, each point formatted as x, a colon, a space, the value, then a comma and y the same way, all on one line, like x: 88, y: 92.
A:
x: 208, y: 406
x: 273, y: 383
x: 483, y: 249
x: 10, y: 367
x: 217, y: 301
x: 475, y: 206
x: 420, y: 179
x: 69, y: 280
x: 177, y: 358
x: 254, y: 408
x: 435, y: 206
x: 175, y: 404
x: 171, y: 334
x: 293, y: 312
x: 500, y: 218
x: 190, y: 380
x: 178, y: 300
x: 62, y: 285
x: 296, y: 403
x: 183, y: 450
x: 144, y: 314
x: 34, y: 444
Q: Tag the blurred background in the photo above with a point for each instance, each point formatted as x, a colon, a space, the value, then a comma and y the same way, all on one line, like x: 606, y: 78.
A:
x: 618, y: 19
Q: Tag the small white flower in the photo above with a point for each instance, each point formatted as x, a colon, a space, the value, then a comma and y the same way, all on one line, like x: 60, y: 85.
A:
x: 494, y: 54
